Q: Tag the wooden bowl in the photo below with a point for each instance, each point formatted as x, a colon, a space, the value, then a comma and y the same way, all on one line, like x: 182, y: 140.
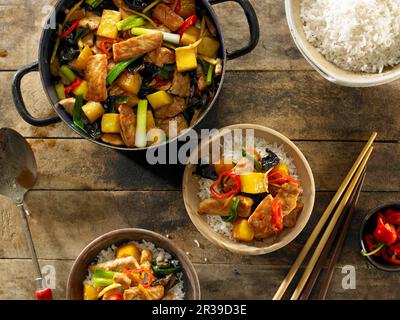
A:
x: 327, y: 69
x: 79, y: 269
x: 192, y: 201
x: 367, y: 227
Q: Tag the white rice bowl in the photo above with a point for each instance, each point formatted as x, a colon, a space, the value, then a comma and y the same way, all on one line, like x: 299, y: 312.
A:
x: 215, y: 222
x: 158, y: 254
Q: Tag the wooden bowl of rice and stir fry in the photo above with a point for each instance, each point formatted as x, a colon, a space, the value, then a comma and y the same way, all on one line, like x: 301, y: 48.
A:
x: 250, y: 199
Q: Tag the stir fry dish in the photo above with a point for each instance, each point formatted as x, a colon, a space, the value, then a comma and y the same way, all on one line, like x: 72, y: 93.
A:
x: 135, y: 272
x: 384, y: 242
x: 256, y: 195
x: 136, y: 73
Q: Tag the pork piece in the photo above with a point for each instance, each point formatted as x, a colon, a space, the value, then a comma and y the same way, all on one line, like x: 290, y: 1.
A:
x: 136, y: 46
x: 289, y: 221
x: 174, y: 126
x: 145, y: 259
x: 161, y: 56
x: 123, y: 280
x: 95, y: 75
x: 180, y: 85
x: 91, y: 21
x: 168, y: 17
x: 152, y: 293
x: 117, y: 265
x: 260, y: 220
x: 288, y: 195
x: 171, y: 110
x: 127, y: 120
x: 201, y: 82
x: 77, y: 15
x: 222, y: 207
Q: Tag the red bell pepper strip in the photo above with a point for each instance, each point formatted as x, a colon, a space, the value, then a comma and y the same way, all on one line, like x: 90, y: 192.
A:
x: 73, y: 86
x: 133, y: 275
x: 70, y: 30
x: 392, y: 216
x: 277, y: 218
x: 189, y: 22
x: 281, y: 178
x: 234, y: 191
x: 385, y: 232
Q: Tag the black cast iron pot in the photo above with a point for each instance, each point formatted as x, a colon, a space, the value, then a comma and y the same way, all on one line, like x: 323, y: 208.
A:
x: 46, y: 48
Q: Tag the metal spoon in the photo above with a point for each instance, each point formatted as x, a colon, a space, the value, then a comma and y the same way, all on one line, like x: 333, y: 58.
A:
x: 18, y: 173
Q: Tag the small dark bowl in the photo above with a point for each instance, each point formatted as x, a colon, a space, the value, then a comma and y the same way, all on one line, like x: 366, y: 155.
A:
x: 368, y: 226
x: 79, y: 269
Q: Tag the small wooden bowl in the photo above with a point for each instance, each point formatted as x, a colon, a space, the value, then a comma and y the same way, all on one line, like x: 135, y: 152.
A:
x: 192, y: 201
x: 79, y: 269
x: 327, y: 69
x: 367, y: 227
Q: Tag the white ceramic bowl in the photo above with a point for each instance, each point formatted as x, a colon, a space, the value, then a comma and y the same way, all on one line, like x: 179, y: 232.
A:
x: 192, y: 201
x: 327, y: 69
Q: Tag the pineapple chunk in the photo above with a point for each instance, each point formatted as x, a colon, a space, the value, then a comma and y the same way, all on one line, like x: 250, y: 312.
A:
x: 242, y: 231
x: 159, y: 99
x: 108, y: 24
x: 93, y: 110
x: 130, y: 82
x: 83, y: 57
x: 129, y: 250
x: 114, y: 139
x: 190, y: 36
x: 186, y: 58
x: 110, y: 123
x: 81, y: 90
x: 209, y: 47
x: 89, y: 292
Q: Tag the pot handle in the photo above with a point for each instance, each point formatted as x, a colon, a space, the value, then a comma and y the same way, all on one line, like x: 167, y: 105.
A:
x: 19, y: 101
x: 253, y: 26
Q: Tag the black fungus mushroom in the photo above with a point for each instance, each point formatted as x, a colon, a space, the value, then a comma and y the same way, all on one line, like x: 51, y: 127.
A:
x: 206, y: 171
x: 270, y: 160
x: 138, y: 5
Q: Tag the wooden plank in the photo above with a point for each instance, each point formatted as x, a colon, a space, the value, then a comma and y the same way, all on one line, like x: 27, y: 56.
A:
x: 88, y: 166
x: 276, y: 50
x: 57, y: 217
x: 301, y: 105
x: 218, y: 281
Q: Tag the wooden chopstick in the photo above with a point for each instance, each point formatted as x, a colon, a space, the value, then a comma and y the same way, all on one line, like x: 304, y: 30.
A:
x: 330, y: 227
x: 340, y: 227
x: 325, y: 216
x: 338, y: 249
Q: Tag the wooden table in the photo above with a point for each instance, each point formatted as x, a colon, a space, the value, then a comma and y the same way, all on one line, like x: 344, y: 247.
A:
x: 84, y: 190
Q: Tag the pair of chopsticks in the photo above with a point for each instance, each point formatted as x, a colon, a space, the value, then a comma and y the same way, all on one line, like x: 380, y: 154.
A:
x: 340, y: 201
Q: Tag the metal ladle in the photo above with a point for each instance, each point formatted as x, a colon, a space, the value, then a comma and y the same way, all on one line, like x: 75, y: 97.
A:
x: 18, y: 173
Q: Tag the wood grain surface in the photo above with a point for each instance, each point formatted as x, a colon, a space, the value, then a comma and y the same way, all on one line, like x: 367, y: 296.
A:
x: 84, y: 190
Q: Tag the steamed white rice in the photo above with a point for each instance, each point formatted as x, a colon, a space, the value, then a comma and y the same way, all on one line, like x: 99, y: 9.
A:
x: 158, y: 253
x: 356, y: 35
x: 215, y: 222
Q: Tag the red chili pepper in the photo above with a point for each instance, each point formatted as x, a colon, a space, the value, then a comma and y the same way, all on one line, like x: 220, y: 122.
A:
x: 178, y: 6
x: 391, y: 255
x: 197, y: 91
x: 392, y: 216
x: 191, y: 21
x: 131, y: 274
x: 70, y: 30
x: 234, y: 191
x: 385, y: 232
x: 45, y: 294
x: 277, y: 218
x: 372, y: 244
x: 73, y: 86
x: 281, y: 179
x: 103, y: 48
